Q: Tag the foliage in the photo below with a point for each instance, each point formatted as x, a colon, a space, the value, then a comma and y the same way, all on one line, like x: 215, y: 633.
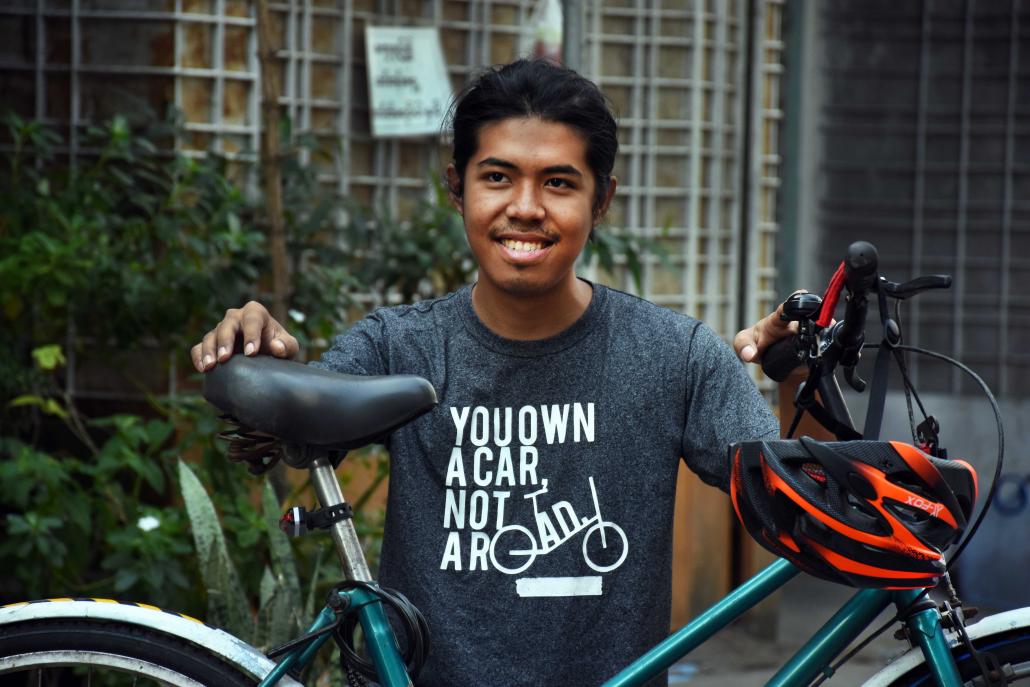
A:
x: 226, y: 602
x: 344, y: 253
x: 411, y: 259
x: 134, y: 246
x: 610, y: 247
x: 84, y: 518
x: 150, y: 239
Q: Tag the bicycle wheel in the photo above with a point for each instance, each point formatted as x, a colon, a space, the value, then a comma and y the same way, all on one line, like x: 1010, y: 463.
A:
x: 606, y: 551
x: 57, y: 652
x: 516, y: 553
x: 1011, y: 648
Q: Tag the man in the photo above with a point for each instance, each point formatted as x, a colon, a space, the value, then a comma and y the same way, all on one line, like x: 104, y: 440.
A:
x: 530, y: 514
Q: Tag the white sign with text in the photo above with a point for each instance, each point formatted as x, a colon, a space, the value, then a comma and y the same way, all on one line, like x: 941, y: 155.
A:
x: 408, y: 87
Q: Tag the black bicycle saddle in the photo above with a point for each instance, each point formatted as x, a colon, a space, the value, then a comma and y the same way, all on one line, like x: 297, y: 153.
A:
x: 301, y: 404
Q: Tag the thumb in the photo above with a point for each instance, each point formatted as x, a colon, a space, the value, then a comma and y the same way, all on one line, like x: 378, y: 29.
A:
x: 745, y: 343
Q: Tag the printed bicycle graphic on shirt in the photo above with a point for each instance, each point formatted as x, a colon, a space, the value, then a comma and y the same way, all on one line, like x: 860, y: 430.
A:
x: 518, y: 547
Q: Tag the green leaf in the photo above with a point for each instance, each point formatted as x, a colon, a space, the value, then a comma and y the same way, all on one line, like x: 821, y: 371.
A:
x: 49, y: 406
x: 227, y: 604
x: 48, y: 357
x: 125, y: 578
x: 52, y: 407
x: 157, y: 432
x: 26, y: 400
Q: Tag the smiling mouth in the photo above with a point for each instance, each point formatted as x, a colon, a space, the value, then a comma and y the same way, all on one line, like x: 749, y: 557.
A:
x: 524, y: 247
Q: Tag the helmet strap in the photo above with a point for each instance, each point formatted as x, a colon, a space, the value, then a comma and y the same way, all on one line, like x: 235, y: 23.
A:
x: 878, y: 390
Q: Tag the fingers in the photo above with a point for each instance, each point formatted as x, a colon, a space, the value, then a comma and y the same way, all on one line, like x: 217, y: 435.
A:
x: 196, y: 356
x: 252, y: 324
x: 203, y: 354
x: 263, y: 333
x: 745, y: 343
x: 750, y: 343
x: 254, y: 319
x: 278, y: 341
x: 225, y: 335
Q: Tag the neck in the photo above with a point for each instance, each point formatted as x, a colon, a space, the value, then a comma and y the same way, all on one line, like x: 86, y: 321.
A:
x: 530, y: 317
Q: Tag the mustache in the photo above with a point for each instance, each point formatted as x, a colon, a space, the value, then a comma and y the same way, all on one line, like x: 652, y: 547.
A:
x: 497, y: 232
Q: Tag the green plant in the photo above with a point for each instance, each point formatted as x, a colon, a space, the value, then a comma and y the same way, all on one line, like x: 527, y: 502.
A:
x: 344, y: 253
x: 151, y: 239
x: 409, y: 259
x: 86, y: 515
x: 132, y: 246
x: 280, y: 613
x: 611, y: 246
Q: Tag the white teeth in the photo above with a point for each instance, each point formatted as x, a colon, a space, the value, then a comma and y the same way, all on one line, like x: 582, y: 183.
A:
x: 522, y: 246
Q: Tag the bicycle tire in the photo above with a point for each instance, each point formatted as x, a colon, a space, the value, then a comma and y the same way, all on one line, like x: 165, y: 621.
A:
x: 618, y: 536
x: 530, y: 552
x: 1011, y: 647
x: 59, y: 645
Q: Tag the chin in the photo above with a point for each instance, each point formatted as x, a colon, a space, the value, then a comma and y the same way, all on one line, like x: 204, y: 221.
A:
x: 521, y: 285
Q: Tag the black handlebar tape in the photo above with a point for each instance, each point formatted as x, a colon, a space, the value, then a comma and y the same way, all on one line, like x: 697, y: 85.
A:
x: 860, y: 275
x: 782, y: 358
x: 860, y: 267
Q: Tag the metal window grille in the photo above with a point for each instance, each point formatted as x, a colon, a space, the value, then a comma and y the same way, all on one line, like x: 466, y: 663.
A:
x: 692, y: 173
x: 924, y: 155
x: 695, y: 83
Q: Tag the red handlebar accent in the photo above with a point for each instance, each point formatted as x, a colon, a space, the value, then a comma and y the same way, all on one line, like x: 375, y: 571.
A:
x: 831, y: 296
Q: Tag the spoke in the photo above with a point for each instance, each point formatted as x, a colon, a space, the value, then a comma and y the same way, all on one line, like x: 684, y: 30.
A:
x: 89, y: 677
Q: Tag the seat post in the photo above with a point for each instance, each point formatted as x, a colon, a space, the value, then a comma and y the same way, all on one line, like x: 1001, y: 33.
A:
x: 348, y: 546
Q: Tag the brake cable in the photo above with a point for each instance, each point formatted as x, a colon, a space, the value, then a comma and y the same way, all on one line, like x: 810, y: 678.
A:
x: 971, y: 531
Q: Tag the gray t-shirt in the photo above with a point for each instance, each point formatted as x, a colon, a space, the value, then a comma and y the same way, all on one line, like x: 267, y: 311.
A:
x: 530, y: 513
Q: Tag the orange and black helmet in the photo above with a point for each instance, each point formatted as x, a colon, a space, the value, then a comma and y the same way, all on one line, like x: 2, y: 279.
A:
x: 863, y: 513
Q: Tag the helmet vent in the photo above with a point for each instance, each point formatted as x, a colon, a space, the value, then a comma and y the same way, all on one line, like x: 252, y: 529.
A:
x: 815, y: 471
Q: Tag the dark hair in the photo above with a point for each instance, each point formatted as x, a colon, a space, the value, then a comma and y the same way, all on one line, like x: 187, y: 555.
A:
x: 537, y: 88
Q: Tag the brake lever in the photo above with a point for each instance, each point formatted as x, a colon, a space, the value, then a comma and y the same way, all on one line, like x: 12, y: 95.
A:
x: 916, y: 286
x: 853, y: 380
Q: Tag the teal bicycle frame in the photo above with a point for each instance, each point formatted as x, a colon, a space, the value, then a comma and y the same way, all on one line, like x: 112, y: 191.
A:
x: 815, y: 656
x: 379, y: 639
x: 812, y: 660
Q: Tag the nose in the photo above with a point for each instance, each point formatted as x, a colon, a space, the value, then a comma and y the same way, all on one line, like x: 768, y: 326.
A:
x: 526, y: 205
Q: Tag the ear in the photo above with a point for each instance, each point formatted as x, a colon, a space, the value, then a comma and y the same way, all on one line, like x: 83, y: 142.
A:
x: 602, y: 210
x: 454, y: 190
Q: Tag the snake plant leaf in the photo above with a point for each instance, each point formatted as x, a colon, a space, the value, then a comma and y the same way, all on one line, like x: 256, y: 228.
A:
x: 227, y: 604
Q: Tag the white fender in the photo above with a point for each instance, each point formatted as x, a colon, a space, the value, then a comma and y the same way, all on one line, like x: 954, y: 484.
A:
x: 231, y: 649
x: 991, y: 625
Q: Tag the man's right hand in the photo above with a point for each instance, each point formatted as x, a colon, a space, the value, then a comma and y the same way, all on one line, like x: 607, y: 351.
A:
x: 254, y: 326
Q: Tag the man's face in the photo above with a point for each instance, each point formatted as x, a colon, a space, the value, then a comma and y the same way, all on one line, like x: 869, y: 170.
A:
x: 527, y: 204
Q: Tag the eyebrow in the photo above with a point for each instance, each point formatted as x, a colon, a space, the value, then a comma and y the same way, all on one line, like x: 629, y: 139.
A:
x: 505, y: 164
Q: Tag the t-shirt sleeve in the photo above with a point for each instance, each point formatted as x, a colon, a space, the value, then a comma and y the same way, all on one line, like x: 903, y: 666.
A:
x: 723, y: 407
x: 361, y: 350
